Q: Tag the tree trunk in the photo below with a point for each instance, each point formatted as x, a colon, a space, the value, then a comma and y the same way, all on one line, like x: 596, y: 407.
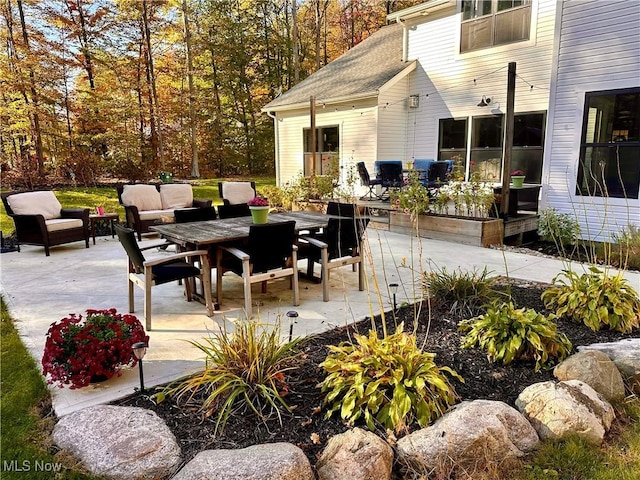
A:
x: 152, y: 83
x: 195, y: 172
x: 35, y: 117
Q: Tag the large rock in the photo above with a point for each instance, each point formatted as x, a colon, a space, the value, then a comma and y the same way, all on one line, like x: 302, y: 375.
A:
x: 596, y: 369
x: 557, y: 410
x: 626, y: 356
x: 355, y: 455
x: 119, y: 442
x: 473, y: 433
x: 270, y: 461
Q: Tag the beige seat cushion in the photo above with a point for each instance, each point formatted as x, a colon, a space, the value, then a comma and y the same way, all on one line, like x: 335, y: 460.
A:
x: 42, y: 203
x: 145, y: 197
x: 237, y: 192
x: 165, y: 215
x: 57, y: 224
x: 176, y: 195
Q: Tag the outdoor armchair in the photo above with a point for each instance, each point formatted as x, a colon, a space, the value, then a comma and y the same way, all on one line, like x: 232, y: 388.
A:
x: 270, y: 253
x: 147, y: 273
x: 235, y: 193
x: 40, y: 219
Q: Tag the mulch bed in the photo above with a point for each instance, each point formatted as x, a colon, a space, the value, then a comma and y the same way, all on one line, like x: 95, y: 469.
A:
x: 307, y: 427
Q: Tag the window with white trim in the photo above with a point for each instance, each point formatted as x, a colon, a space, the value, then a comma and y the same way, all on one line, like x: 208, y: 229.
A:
x: 488, y: 23
x: 610, y: 147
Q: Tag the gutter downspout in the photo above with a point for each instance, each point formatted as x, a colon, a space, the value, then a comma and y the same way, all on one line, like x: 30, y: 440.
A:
x: 277, y: 142
x: 405, y: 39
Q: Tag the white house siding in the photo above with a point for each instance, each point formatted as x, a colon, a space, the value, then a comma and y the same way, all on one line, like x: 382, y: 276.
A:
x: 447, y: 76
x: 598, y: 49
x: 392, y: 121
x: 357, y: 126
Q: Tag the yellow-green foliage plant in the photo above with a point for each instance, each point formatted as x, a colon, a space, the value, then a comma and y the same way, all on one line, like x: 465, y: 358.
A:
x: 597, y: 298
x: 387, y: 380
x: 244, y: 369
x: 508, y: 334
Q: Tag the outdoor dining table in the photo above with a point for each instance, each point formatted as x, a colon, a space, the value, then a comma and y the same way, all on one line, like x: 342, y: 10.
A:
x: 196, y: 235
x: 211, y: 233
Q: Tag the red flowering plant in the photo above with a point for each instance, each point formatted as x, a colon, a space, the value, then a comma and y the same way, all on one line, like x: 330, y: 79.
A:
x: 78, y: 351
x: 517, y: 173
x: 258, y: 202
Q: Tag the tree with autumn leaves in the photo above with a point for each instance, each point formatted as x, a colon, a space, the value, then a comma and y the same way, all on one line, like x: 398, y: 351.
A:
x: 128, y: 88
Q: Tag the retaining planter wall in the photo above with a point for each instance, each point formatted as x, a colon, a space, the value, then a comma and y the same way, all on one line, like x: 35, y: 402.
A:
x: 480, y: 232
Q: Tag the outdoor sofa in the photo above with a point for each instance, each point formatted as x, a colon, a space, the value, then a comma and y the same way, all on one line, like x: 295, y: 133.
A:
x: 146, y: 205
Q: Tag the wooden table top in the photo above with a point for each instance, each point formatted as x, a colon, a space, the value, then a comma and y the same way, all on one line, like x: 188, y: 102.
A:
x: 232, y: 229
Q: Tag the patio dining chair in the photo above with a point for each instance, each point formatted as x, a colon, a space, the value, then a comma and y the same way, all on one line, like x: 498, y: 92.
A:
x: 233, y: 211
x: 340, y: 245
x: 391, y: 177
x: 367, y: 181
x: 188, y: 215
x: 270, y: 253
x: 438, y: 174
x: 148, y: 273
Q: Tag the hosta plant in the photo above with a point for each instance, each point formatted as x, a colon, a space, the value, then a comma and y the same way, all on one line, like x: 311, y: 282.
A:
x: 78, y: 351
x: 386, y: 380
x: 598, y: 299
x: 245, y: 369
x: 507, y: 334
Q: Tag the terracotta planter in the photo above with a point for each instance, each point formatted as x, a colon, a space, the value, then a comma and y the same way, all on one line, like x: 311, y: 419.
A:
x: 481, y: 232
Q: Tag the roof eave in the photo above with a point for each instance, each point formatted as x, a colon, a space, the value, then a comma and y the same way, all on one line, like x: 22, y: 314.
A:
x: 419, y: 10
x: 326, y: 101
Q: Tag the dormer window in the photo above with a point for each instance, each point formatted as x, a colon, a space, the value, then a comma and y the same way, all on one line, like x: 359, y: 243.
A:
x: 488, y: 23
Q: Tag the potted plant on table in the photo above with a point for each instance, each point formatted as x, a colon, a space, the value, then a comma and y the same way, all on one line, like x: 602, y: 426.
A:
x: 259, y: 207
x: 517, y: 178
x: 79, y: 352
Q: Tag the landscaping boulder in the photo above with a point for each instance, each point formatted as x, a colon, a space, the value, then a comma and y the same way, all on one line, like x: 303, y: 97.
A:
x: 557, y: 410
x: 355, y: 455
x: 119, y: 442
x: 475, y: 433
x: 626, y: 356
x: 270, y: 461
x: 596, y: 370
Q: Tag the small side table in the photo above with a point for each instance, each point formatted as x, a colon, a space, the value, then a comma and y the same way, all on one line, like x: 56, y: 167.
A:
x: 110, y: 217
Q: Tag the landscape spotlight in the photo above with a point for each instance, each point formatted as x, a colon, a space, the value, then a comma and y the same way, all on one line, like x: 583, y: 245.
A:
x: 139, y: 351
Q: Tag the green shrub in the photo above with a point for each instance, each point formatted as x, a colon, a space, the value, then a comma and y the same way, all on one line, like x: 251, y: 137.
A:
x: 390, y: 380
x: 243, y: 369
x: 559, y: 228
x: 509, y: 334
x: 465, y: 292
x: 626, y: 251
x: 597, y: 299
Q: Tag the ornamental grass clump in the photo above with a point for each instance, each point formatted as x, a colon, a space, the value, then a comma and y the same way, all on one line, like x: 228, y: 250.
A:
x: 464, y: 292
x: 244, y: 370
x: 598, y: 299
x: 388, y: 380
x: 508, y: 334
x: 78, y: 352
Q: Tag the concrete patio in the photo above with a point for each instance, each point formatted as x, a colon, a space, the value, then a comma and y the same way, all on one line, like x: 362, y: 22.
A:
x: 40, y: 290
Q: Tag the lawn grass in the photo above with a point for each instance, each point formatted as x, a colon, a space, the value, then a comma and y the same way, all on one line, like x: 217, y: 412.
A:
x: 24, y: 441
x: 91, y: 197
